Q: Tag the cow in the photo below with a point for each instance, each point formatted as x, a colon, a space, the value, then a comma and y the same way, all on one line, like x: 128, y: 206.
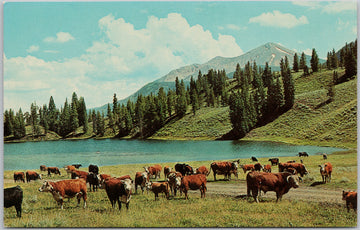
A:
x: 94, y: 180
x: 193, y: 182
x: 300, y: 168
x: 54, y: 170
x: 247, y: 167
x: 118, y: 191
x: 43, y: 168
x: 174, y: 179
x: 303, y: 154
x: 69, y: 168
x: 291, y: 161
x: 280, y: 183
x: 66, y: 189
x: 77, y: 165
x: 103, y: 177
x: 324, y: 155
x: 267, y: 168
x: 167, y: 170
x: 141, y: 178
x: 351, y: 200
x: 184, y: 169
x: 290, y: 170
x: 19, y: 176
x: 153, y: 171
x: 325, y: 171
x: 94, y: 169
x: 202, y: 170
x: 274, y: 161
x: 159, y: 187
x: 258, y: 167
x: 254, y: 158
x: 124, y: 177
x: 77, y: 174
x: 32, y: 175
x: 225, y: 168
x: 13, y: 197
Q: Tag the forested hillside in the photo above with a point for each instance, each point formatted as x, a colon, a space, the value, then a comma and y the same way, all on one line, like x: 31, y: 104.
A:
x: 300, y: 104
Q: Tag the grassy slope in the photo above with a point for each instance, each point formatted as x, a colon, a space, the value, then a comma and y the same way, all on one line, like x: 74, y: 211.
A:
x: 40, y: 210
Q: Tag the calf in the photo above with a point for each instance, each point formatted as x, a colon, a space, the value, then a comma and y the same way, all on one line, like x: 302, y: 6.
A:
x: 351, y: 200
x: 300, y: 168
x: 280, y: 183
x: 153, y: 171
x: 267, y: 168
x: 247, y: 167
x: 19, y: 176
x: 118, y: 191
x: 54, y: 170
x: 32, y: 175
x: 13, y: 197
x: 43, y: 168
x: 324, y: 156
x: 167, y: 170
x: 93, y: 180
x: 193, y: 182
x: 325, y: 171
x: 159, y: 187
x: 303, y: 154
x: 274, y: 161
x: 66, y: 189
x: 174, y: 179
x: 202, y: 170
x: 77, y: 174
x: 94, y: 169
x: 141, y: 178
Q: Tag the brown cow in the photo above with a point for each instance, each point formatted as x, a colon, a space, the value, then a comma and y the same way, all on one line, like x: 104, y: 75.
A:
x: 32, y: 175
x: 103, y: 177
x: 325, y: 171
x: 225, y: 168
x: 118, y: 191
x: 267, y: 168
x: 43, y: 168
x: 54, y: 170
x: 290, y: 170
x: 193, y: 182
x: 76, y: 174
x: 158, y: 187
x: 153, y: 170
x: 202, y: 170
x: 274, y: 161
x: 184, y: 169
x: 141, y: 178
x: 174, y: 179
x: 66, y: 189
x: 69, y: 169
x: 300, y: 168
x: 277, y: 182
x: 19, y: 176
x: 167, y: 170
x: 351, y: 200
x: 247, y: 167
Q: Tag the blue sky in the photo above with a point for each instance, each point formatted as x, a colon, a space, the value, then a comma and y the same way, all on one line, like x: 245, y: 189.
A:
x: 100, y: 48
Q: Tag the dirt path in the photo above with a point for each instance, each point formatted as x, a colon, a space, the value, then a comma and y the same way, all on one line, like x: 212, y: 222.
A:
x: 303, y: 193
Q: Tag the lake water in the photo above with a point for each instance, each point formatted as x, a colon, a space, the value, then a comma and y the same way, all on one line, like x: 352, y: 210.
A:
x: 30, y: 155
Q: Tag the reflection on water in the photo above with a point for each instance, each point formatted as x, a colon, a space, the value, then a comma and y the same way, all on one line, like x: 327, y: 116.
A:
x: 31, y: 155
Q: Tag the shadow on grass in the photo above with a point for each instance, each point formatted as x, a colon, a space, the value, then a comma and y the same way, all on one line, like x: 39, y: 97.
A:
x: 316, y: 183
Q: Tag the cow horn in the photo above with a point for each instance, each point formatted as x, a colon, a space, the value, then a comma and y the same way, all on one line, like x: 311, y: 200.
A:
x: 287, y: 179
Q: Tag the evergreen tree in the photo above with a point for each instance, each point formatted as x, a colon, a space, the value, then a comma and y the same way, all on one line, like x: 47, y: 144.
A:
x: 181, y: 102
x: 259, y: 96
x: 64, y: 120
x: 53, y: 116
x: 100, y: 124
x: 34, y: 119
x: 331, y: 88
x: 296, y: 63
x: 139, y: 114
x: 314, y: 61
x: 334, y: 60
x: 306, y: 71
x: 19, y: 125
x: 170, y: 101
x: 350, y: 64
x: 237, y: 73
x: 161, y: 106
x: 8, y: 125
x: 266, y: 75
x: 288, y: 83
x: 93, y: 115
x: 302, y: 62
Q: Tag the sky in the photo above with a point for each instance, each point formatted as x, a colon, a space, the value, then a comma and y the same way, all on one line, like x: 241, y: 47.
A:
x: 97, y: 49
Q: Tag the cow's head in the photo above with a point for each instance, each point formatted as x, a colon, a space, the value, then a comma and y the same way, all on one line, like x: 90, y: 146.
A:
x: 40, y: 176
x: 293, y: 181
x: 127, y: 186
x: 189, y: 169
x: 149, y: 185
x: 146, y: 169
x: 46, y: 187
x: 235, y: 164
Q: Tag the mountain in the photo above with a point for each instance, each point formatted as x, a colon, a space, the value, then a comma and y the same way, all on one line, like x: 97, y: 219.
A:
x: 269, y: 52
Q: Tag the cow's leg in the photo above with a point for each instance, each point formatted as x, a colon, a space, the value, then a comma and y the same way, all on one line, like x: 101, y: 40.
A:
x: 119, y: 203
x: 127, y: 206
x: 255, y: 194
x: 18, y: 210
x: 214, y: 176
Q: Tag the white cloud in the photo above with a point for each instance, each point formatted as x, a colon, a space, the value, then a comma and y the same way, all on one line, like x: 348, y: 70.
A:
x: 308, y: 51
x: 120, y: 62
x: 61, y: 37
x: 340, y: 6
x: 33, y: 48
x: 310, y: 4
x: 278, y: 19
x: 232, y: 27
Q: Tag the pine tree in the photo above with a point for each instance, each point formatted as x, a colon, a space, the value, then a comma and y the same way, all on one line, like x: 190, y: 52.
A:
x: 288, y: 83
x: 350, y: 64
x: 170, y: 101
x: 34, y: 119
x: 266, y: 75
x: 139, y: 114
x: 296, y: 63
x: 314, y: 61
x: 53, y: 116
x: 8, y: 125
x: 334, y: 60
x: 181, y: 101
x: 302, y: 63
x: 161, y: 106
x: 19, y: 127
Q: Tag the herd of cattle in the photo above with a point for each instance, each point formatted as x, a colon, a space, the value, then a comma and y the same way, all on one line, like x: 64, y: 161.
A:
x: 182, y: 178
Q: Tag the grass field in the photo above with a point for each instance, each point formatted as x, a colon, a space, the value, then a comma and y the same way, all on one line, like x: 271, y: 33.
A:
x: 40, y: 210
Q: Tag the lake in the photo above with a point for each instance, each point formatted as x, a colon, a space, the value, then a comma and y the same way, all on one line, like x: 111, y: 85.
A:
x: 30, y: 155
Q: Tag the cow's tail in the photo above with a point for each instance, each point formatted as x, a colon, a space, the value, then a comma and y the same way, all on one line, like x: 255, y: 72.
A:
x: 209, y: 170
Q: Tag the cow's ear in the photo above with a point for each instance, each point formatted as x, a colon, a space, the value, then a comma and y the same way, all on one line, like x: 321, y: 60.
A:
x: 320, y: 166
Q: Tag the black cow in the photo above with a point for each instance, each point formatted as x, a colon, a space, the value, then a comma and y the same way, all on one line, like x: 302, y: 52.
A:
x: 13, y: 197
x: 184, y: 169
x: 254, y: 158
x: 274, y: 161
x: 93, y: 180
x: 303, y: 154
x: 94, y: 169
